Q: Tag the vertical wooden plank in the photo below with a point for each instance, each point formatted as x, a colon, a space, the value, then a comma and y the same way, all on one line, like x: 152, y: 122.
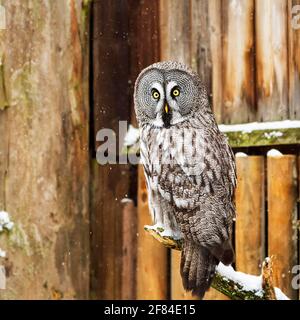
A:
x: 282, y: 216
x: 215, y: 31
x: 144, y: 44
x: 152, y: 264
x: 177, y: 290
x: 238, y: 61
x: 144, y: 40
x: 294, y: 62
x: 175, y: 27
x: 271, y: 59
x: 129, y: 256
x: 44, y: 131
x: 111, y: 182
x: 250, y: 206
x: 200, y: 41
x: 109, y: 187
x: 213, y: 294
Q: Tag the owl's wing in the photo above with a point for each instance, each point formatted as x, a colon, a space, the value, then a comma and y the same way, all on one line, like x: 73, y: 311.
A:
x: 202, y: 192
x: 213, y: 165
x: 161, y: 209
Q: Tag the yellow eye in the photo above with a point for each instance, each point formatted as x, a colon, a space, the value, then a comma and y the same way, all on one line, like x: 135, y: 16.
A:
x: 155, y: 94
x: 175, y: 92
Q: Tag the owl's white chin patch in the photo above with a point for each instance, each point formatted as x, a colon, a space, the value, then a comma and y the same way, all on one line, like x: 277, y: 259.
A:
x: 176, y: 118
x: 158, y: 123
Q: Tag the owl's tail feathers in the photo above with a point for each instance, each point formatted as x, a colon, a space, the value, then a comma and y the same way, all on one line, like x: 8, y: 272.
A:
x: 197, y: 268
x: 224, y: 253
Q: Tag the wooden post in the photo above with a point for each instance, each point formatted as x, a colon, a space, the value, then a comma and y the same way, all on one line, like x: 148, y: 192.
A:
x: 206, y: 46
x: 44, y: 168
x: 294, y: 62
x: 200, y: 41
x: 177, y: 291
x: 129, y: 250
x: 110, y: 181
x: 238, y: 61
x: 282, y: 217
x: 215, y: 31
x: 271, y: 59
x: 144, y: 44
x: 144, y: 40
x: 152, y: 263
x: 175, y: 41
x: 250, y: 206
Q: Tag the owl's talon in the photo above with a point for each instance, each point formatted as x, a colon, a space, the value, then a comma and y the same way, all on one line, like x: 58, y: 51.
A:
x: 168, y: 241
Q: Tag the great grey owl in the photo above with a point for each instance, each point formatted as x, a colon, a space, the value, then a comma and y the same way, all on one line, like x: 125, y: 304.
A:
x: 189, y: 169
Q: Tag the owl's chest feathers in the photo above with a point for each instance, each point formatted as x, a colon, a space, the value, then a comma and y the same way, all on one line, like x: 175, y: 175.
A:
x: 166, y: 149
x: 173, y: 160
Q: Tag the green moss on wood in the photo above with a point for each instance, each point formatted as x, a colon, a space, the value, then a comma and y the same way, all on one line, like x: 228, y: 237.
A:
x: 3, y: 94
x: 233, y: 290
x: 254, y: 138
x: 264, y: 137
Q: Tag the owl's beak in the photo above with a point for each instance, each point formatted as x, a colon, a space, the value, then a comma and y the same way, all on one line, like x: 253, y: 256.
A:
x: 166, y: 108
x: 167, y: 115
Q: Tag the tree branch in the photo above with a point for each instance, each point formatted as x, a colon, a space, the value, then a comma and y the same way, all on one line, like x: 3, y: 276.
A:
x: 235, y: 285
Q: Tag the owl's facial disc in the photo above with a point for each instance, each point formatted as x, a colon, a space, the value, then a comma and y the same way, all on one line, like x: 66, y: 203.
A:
x: 165, y: 97
x: 168, y: 110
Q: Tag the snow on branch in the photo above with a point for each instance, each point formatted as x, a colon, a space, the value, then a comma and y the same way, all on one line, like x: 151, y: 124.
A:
x: 5, y: 224
x: 242, y: 135
x: 234, y: 284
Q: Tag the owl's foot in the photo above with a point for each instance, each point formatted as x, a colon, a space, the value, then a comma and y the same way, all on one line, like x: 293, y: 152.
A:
x: 168, y: 237
x: 165, y: 231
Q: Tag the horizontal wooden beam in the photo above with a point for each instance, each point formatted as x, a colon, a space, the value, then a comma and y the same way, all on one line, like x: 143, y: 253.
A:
x: 253, y: 134
x: 262, y: 133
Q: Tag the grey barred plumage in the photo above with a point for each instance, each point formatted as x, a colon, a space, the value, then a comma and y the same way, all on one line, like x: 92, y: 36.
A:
x: 189, y: 168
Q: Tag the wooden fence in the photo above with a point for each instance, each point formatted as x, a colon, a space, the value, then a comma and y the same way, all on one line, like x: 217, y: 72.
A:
x: 67, y: 70
x: 266, y: 225
x: 248, y: 55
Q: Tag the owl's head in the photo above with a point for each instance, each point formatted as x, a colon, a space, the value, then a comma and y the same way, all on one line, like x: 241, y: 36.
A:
x: 167, y: 93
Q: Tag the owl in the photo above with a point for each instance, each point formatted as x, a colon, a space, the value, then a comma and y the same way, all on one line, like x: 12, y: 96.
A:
x: 189, y: 168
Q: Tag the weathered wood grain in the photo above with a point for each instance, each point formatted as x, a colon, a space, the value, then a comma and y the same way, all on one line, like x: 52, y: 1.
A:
x: 109, y: 187
x: 175, y: 30
x: 215, y: 31
x: 144, y: 46
x: 282, y: 217
x: 250, y: 206
x: 177, y: 290
x: 111, y: 181
x: 271, y: 59
x: 44, y: 168
x: 129, y: 250
x: 294, y: 62
x: 144, y: 40
x: 200, y: 41
x: 152, y: 259
x: 238, y: 61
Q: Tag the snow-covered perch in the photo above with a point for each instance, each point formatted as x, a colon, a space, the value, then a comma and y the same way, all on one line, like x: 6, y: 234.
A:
x: 243, y: 135
x: 5, y: 224
x: 236, y: 285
